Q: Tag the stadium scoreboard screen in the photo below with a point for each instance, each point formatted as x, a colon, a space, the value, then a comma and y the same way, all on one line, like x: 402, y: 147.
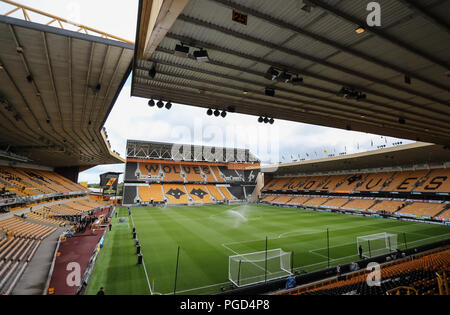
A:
x: 109, y: 183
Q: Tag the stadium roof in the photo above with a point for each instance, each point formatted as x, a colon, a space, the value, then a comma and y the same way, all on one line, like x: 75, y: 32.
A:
x: 57, y: 89
x: 401, y: 67
x: 187, y: 152
x: 413, y: 154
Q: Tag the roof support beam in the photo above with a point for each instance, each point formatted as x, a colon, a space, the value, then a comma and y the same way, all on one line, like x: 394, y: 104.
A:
x: 84, y: 121
x: 40, y: 130
x: 103, y: 144
x: 302, y: 105
x: 13, y: 129
x: 246, y: 107
x: 286, y: 102
x: 52, y: 134
x: 304, y: 72
x: 326, y: 41
x: 367, y: 110
x: 70, y: 89
x: 55, y: 93
x: 159, y: 17
x: 316, y: 60
x: 94, y: 134
x: 423, y: 11
x: 381, y: 34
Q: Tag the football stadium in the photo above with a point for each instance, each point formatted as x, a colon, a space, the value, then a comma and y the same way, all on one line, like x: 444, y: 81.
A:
x: 190, y: 218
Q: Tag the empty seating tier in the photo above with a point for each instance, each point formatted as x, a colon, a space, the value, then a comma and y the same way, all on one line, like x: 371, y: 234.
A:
x: 282, y: 199
x: 420, y: 273
x: 199, y: 193
x: 360, y: 204
x: 214, y: 191
x: 427, y: 181
x: 388, y: 205
x: 172, y: 172
x: 175, y: 193
x: 21, y: 228
x: 336, y: 202
x: 30, y: 182
x: 423, y: 208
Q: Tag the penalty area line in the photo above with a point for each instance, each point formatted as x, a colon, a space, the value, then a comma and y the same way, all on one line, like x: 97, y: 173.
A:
x: 198, y: 288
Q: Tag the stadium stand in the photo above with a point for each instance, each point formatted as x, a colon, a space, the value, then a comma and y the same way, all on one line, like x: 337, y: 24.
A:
x: 215, y: 192
x: 282, y: 199
x: 46, y: 199
x: 375, y: 182
x: 157, y: 193
x: 237, y: 191
x: 190, y: 180
x: 225, y: 192
x: 299, y: 200
x: 230, y: 174
x: 421, y: 180
x: 269, y: 198
x: 437, y: 182
x: 150, y: 171
x: 359, y: 204
x: 417, y: 193
x: 388, y: 205
x: 209, y: 174
x: 430, y: 209
x: 20, y: 228
x: 199, y: 193
x: 28, y: 182
x: 144, y: 193
x: 20, y: 237
x: 316, y: 201
x: 131, y: 171
x: 218, y: 176
x: 193, y: 173
x: 406, y: 181
x: 130, y: 193
x: 423, y: 273
x: 15, y: 254
x: 336, y: 202
x: 445, y: 214
x: 176, y: 193
x: 172, y: 172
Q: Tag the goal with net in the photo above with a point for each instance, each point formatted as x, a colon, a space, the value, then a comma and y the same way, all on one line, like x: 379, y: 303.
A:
x: 377, y: 244
x: 257, y: 267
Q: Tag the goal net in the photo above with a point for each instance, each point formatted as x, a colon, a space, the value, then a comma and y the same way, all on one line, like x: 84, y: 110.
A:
x: 251, y: 268
x: 377, y: 244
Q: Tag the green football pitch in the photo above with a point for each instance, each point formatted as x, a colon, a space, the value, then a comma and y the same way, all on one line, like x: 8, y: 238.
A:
x: 208, y: 235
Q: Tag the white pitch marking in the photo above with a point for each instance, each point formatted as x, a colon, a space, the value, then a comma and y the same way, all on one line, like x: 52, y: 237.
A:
x: 143, y: 264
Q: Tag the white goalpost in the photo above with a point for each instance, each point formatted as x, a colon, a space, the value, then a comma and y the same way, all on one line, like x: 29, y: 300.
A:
x: 257, y: 267
x: 377, y: 244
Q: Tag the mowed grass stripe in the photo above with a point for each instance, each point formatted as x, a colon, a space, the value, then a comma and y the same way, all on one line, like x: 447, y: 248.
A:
x: 193, y: 248
x: 201, y: 231
x: 116, y: 269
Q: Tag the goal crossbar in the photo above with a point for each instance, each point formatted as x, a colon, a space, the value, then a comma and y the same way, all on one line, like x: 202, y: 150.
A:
x: 376, y: 244
x: 256, y: 267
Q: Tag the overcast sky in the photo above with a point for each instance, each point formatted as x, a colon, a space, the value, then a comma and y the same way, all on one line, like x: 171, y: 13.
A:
x: 132, y: 118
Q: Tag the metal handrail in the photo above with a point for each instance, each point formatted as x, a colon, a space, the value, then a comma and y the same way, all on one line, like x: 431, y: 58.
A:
x: 59, y: 20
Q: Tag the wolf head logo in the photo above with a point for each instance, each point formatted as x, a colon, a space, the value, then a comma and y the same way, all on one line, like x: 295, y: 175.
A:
x: 177, y: 193
x: 198, y: 192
